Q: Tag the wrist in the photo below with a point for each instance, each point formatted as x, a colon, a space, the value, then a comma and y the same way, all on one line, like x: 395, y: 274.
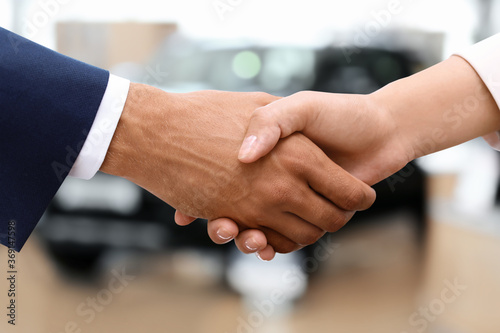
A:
x: 123, y: 157
x: 440, y: 107
x: 396, y: 136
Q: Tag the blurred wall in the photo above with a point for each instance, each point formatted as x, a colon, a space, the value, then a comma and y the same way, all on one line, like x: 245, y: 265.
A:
x: 112, y: 43
x: 278, y: 21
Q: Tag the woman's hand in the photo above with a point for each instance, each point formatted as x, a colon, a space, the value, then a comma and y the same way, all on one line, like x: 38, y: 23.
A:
x: 355, y: 131
x: 374, y: 136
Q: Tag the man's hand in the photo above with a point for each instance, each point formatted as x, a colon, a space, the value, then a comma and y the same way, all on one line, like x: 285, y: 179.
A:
x: 183, y: 148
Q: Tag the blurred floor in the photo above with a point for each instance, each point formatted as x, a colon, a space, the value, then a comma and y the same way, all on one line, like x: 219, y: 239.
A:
x: 367, y: 285
x: 472, y: 259
x: 373, y: 283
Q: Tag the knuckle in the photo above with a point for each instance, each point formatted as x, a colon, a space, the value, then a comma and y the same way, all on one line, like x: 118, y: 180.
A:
x: 260, y: 114
x: 265, y: 97
x: 295, y: 163
x: 353, y: 198
x: 302, y: 94
x: 310, y: 237
x: 337, y: 222
x: 286, y: 247
x: 371, y: 196
x: 325, y: 215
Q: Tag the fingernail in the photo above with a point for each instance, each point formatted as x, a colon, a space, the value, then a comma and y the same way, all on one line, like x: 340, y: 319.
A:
x: 251, y: 245
x: 224, y: 235
x: 257, y: 254
x: 247, y: 146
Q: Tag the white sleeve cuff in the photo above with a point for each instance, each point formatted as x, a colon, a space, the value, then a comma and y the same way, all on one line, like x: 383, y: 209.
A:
x: 96, y: 146
x: 484, y: 57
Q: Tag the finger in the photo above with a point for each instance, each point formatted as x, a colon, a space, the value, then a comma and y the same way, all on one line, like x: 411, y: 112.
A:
x: 301, y: 231
x: 222, y: 231
x: 287, y: 232
x: 270, y: 123
x: 251, y: 241
x: 339, y: 186
x: 267, y: 254
x: 279, y: 242
x: 183, y: 219
x: 320, y: 212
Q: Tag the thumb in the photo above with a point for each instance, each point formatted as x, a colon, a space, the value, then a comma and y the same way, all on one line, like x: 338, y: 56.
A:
x: 270, y: 123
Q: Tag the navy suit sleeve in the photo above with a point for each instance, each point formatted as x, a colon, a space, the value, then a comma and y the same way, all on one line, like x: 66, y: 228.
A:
x: 48, y: 103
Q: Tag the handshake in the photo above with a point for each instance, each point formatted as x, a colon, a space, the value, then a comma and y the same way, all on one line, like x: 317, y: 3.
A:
x: 276, y: 174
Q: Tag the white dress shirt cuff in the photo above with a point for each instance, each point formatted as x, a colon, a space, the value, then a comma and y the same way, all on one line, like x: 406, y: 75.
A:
x: 484, y: 57
x: 96, y: 146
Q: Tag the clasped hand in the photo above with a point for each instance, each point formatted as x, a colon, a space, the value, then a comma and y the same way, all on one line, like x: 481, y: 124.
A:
x: 183, y: 148
x: 352, y: 130
x: 370, y: 136
x: 351, y: 136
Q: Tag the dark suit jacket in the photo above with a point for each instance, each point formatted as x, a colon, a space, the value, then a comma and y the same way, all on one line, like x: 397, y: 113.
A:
x: 48, y: 104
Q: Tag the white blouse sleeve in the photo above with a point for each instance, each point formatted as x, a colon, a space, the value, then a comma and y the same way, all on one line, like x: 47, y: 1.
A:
x: 484, y: 57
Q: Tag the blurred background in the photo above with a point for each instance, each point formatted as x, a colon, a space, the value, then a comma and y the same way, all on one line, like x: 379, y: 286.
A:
x: 107, y: 257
